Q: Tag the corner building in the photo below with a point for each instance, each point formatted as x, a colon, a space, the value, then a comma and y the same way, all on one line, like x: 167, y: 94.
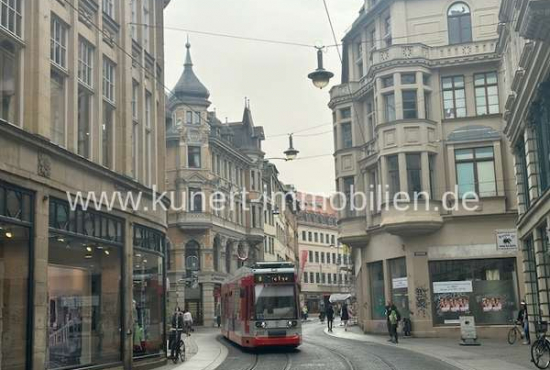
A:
x: 207, y: 158
x: 420, y: 109
x: 81, y: 287
x: 524, y: 45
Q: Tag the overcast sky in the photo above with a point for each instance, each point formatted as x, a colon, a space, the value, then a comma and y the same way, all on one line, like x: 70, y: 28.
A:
x: 272, y: 76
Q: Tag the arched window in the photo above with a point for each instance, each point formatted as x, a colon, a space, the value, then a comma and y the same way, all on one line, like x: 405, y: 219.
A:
x: 459, y: 23
x: 192, y: 258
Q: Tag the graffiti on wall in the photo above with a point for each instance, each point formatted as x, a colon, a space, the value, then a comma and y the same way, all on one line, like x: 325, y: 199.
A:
x: 422, y: 301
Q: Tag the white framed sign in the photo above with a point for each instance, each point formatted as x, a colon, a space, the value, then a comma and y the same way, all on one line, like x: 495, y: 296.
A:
x: 400, y: 283
x: 453, y: 287
x: 507, y: 240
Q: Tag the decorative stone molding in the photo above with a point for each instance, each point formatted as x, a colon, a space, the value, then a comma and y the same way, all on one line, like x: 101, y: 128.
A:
x: 44, y: 165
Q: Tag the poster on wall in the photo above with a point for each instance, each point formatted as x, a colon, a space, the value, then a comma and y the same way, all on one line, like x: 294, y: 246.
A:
x: 452, y: 300
x: 400, y: 283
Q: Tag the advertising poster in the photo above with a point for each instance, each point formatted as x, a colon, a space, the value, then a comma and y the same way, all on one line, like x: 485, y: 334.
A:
x: 452, y: 300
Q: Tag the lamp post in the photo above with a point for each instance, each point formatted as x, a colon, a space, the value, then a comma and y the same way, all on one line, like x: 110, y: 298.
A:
x: 290, y: 153
x: 320, y: 77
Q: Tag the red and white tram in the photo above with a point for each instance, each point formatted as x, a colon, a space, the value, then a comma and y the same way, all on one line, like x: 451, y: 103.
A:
x: 260, y: 306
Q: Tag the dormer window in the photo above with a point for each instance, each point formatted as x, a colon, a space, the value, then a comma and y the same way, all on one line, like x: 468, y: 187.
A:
x: 459, y: 23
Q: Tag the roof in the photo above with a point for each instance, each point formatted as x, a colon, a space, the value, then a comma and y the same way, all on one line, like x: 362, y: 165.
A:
x: 188, y: 85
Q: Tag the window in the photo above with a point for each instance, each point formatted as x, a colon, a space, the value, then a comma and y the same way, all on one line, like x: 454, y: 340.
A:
x: 433, y: 181
x: 408, y: 78
x: 189, y: 117
x: 135, y: 149
x: 427, y: 104
x: 85, y: 62
x: 393, y: 175
x: 194, y: 156
x: 108, y: 80
x: 109, y: 8
x: 459, y: 23
x: 317, y: 280
x: 522, y: 176
x: 146, y: 23
x: 540, y: 120
x: 149, y: 155
x: 58, y: 42
x: 322, y: 237
x: 334, y: 258
x: 370, y: 119
x: 309, y: 236
x: 135, y: 99
x: 387, y: 29
x: 488, y: 290
x: 195, y: 200
x: 316, y: 257
x: 305, y: 277
x: 409, y: 104
x: 475, y: 171
x: 107, y: 131
x: 389, y: 107
x: 9, y: 81
x: 377, y: 296
x: 57, y: 108
x: 414, y: 174
x: 310, y: 256
x: 345, y: 113
x: 387, y: 81
x: 303, y: 235
x: 328, y: 257
x: 454, y: 99
x: 322, y: 257
x: 197, y: 118
x: 359, y: 58
x: 425, y: 79
x: 332, y: 239
x: 84, y: 119
x: 347, y: 138
x: 134, y: 19
x: 486, y: 90
x: 11, y: 16
x: 348, y: 192
x: 329, y: 277
x: 323, y: 278
x: 316, y: 237
x: 311, y: 278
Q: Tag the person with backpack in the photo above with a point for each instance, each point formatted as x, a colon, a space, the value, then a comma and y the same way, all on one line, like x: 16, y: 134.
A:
x: 330, y: 316
x: 393, y: 317
x: 175, y: 331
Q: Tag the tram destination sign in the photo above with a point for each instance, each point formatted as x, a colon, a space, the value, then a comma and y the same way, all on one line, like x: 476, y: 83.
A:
x: 274, y: 278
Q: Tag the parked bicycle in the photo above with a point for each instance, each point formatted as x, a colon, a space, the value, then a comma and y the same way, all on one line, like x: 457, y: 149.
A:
x: 540, y: 350
x: 514, y: 332
x: 179, y: 352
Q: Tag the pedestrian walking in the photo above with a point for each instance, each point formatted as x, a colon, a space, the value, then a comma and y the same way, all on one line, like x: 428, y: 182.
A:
x: 392, y: 317
x: 175, y: 331
x: 345, y: 315
x: 304, y: 313
x: 188, y: 322
x: 523, y: 319
x: 330, y: 316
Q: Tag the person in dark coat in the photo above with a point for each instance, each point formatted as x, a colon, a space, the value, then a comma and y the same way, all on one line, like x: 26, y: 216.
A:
x: 523, y: 320
x: 392, y: 317
x: 344, y: 316
x: 330, y: 316
x: 175, y: 331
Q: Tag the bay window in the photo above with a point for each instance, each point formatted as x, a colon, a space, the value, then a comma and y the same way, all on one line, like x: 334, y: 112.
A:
x: 389, y: 107
x: 347, y: 139
x: 393, y: 174
x: 409, y: 104
x: 414, y: 174
x: 194, y: 156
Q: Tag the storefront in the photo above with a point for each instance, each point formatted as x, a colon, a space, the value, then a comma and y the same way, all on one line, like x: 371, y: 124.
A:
x: 16, y: 229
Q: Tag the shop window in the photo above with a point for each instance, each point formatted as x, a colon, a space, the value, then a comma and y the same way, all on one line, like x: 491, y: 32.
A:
x: 485, y: 289
x: 84, y: 287
x: 15, y: 244
x: 459, y: 23
x: 475, y: 171
x: 194, y: 156
x: 454, y: 97
x: 9, y: 81
x: 410, y: 110
x: 377, y: 295
x: 486, y: 91
x: 400, y: 285
x: 393, y: 175
x: 347, y: 138
x: 414, y: 174
x: 148, y: 291
x: 389, y: 107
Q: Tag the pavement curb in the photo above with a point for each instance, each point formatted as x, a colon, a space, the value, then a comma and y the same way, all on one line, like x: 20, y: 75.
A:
x: 211, y: 353
x: 440, y: 358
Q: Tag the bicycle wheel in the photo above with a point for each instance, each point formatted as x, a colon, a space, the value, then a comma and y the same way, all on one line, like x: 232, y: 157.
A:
x: 512, y: 336
x: 175, y: 358
x: 540, y: 353
x: 182, y: 351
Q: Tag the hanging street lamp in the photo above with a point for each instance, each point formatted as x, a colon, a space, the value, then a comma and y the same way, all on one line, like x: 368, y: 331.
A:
x: 320, y: 77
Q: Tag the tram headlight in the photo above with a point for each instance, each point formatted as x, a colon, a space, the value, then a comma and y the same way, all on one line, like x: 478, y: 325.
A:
x: 261, y: 324
x: 289, y: 324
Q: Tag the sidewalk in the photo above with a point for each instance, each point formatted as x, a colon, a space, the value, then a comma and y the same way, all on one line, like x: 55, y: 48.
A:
x: 491, y: 355
x: 204, y: 351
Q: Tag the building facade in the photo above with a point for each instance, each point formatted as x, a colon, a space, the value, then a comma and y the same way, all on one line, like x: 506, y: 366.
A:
x: 419, y: 111
x: 81, y: 286
x: 214, y: 226
x: 524, y: 44
x: 326, y: 262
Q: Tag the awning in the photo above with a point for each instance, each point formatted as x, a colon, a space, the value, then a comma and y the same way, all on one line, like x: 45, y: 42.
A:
x: 339, y: 297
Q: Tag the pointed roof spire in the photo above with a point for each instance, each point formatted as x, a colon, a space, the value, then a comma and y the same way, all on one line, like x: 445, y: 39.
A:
x: 189, y: 85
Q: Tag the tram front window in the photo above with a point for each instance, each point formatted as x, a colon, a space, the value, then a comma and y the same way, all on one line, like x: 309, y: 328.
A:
x: 275, y: 302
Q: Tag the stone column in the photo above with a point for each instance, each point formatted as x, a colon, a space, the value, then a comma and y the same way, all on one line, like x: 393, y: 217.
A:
x: 208, y: 305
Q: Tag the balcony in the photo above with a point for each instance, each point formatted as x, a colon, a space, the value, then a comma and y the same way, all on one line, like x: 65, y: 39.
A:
x: 411, y: 222
x: 343, y: 91
x: 255, y: 234
x: 202, y: 221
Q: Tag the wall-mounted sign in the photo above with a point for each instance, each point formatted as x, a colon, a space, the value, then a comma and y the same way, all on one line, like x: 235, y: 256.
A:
x: 507, y: 240
x: 420, y: 254
x: 453, y: 287
x: 400, y: 283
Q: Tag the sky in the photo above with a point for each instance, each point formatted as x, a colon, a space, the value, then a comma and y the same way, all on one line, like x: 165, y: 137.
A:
x: 272, y: 76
